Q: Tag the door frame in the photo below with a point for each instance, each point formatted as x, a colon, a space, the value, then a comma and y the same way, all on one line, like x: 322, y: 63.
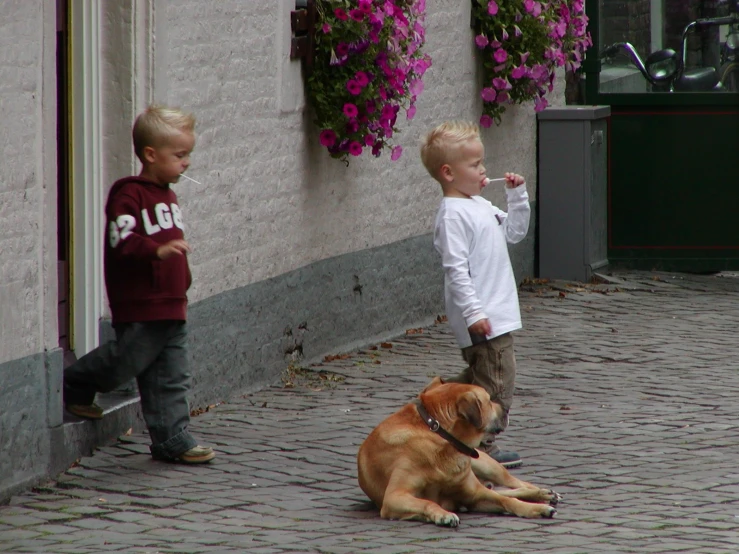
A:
x: 86, y: 186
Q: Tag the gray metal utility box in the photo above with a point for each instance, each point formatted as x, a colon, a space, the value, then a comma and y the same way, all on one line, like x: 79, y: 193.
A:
x: 572, y: 199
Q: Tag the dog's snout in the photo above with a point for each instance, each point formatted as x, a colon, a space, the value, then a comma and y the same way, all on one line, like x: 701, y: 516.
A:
x: 499, y: 422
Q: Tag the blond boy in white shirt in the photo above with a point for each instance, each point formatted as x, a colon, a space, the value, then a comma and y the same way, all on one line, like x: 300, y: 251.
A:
x: 480, y: 290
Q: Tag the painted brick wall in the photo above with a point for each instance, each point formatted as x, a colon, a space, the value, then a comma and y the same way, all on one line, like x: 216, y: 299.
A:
x: 272, y: 200
x: 21, y: 193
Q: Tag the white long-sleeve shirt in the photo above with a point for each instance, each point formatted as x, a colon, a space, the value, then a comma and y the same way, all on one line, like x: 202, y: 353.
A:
x: 472, y: 235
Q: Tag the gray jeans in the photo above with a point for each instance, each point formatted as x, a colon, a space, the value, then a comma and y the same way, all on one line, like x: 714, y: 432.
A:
x: 155, y: 353
x: 492, y: 366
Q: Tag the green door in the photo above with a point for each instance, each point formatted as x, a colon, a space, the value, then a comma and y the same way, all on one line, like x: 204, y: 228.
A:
x: 673, y: 163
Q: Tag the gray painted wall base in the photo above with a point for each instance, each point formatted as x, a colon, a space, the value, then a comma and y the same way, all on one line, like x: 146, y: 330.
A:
x: 243, y: 339
x: 81, y: 437
x: 240, y: 340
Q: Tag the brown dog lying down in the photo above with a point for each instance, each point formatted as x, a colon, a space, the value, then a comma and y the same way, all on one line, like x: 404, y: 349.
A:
x: 411, y: 472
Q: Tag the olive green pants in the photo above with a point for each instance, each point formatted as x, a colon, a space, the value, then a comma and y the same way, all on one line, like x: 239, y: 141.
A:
x: 492, y: 366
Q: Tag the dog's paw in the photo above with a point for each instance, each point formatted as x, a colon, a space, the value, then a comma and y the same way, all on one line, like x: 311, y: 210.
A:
x: 554, y: 497
x: 548, y: 512
x: 447, y: 520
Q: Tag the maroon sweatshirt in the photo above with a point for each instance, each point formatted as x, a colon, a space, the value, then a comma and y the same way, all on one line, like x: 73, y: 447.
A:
x: 141, y: 215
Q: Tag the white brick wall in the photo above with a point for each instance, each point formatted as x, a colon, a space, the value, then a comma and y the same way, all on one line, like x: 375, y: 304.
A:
x: 22, y: 172
x: 272, y: 200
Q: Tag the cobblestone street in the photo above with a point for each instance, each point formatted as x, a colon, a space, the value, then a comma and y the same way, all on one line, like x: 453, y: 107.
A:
x: 626, y: 405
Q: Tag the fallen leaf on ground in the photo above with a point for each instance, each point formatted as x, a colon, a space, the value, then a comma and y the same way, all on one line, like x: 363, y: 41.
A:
x: 332, y: 357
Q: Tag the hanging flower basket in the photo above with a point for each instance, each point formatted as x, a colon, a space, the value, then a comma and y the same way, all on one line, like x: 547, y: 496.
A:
x: 522, y: 43
x: 368, y: 66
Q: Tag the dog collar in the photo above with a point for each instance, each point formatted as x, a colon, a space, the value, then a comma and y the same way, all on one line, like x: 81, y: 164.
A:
x: 436, y: 427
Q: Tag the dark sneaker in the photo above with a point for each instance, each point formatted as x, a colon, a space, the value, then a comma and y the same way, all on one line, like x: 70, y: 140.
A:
x: 508, y: 460
x: 196, y: 455
x: 91, y: 411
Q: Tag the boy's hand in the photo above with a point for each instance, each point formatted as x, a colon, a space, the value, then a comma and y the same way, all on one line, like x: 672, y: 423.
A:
x: 513, y: 180
x: 481, y: 327
x: 177, y: 247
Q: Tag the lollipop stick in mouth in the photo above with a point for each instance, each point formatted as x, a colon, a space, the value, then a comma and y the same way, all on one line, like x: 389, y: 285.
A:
x: 190, y: 178
x: 490, y: 181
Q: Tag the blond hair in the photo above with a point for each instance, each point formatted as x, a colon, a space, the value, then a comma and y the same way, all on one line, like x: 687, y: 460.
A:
x: 157, y: 125
x: 442, y: 144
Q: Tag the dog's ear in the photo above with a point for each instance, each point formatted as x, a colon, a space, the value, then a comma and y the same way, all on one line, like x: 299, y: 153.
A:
x: 435, y: 382
x: 470, y: 408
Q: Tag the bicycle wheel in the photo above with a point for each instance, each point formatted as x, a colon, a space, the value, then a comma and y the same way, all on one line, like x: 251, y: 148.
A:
x: 729, y: 73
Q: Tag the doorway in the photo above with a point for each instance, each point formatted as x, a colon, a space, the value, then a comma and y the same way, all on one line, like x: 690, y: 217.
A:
x: 64, y: 189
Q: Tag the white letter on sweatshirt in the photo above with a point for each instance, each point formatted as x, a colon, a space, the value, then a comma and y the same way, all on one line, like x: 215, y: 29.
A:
x: 164, y: 218
x: 148, y: 227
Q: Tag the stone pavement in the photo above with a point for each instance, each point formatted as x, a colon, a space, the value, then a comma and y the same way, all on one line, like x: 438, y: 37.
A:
x: 626, y: 404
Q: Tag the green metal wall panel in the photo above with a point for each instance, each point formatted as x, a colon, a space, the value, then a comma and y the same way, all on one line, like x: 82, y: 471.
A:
x: 674, y: 187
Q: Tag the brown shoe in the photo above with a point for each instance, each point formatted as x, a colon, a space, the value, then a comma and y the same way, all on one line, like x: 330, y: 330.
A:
x: 91, y: 411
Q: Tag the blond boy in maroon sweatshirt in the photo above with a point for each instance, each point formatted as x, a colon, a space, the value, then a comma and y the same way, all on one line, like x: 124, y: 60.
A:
x: 147, y: 277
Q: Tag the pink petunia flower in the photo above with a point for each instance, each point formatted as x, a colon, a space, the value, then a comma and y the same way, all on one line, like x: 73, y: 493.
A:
x: 355, y: 148
x: 416, y: 87
x: 481, y: 41
x: 500, y: 55
x: 356, y: 15
x: 362, y: 78
x: 486, y: 121
x: 500, y: 84
x: 350, y: 110
x: 353, y: 87
x: 396, y: 153
x: 488, y: 94
x: 492, y: 7
x: 326, y: 28
x: 410, y: 112
x: 327, y: 137
x: 340, y: 14
x: 518, y: 72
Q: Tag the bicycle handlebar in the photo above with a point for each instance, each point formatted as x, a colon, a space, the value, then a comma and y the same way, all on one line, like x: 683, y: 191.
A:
x: 715, y: 21
x: 613, y: 49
